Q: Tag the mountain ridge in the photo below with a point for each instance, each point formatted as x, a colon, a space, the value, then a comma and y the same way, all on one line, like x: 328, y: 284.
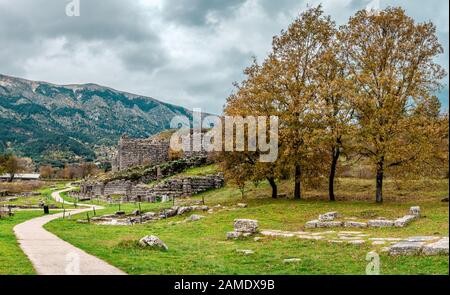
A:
x: 55, y: 124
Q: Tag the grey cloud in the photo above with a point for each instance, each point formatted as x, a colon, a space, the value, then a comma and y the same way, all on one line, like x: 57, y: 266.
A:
x: 170, y: 52
x: 146, y: 57
x: 194, y: 12
x: 99, y: 20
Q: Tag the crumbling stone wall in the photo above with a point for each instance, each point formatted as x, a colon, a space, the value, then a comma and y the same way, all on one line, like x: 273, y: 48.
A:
x: 138, y: 152
x: 188, y: 186
x: 132, y: 152
x: 131, y: 191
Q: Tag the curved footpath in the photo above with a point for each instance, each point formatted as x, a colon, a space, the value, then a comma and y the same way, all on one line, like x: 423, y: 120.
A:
x: 52, y: 256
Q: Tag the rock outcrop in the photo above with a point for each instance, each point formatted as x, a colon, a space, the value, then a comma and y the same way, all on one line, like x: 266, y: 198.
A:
x: 243, y: 228
x: 153, y: 241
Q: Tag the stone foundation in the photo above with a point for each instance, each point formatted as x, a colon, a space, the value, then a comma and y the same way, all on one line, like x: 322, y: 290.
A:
x: 131, y: 191
x: 328, y: 220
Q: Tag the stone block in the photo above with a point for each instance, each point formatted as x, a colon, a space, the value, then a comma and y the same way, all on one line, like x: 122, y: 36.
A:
x: 245, y: 252
x: 312, y: 224
x: 291, y: 260
x: 183, y: 210
x: 329, y: 216
x: 276, y: 233
x: 233, y: 235
x: 380, y: 223
x: 415, y: 210
x: 436, y: 248
x: 326, y: 224
x: 355, y: 224
x: 406, y: 248
x: 422, y: 239
x: 246, y: 225
x: 404, y: 221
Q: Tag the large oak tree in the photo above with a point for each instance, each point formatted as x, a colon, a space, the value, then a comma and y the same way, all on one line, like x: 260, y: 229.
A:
x: 391, y: 64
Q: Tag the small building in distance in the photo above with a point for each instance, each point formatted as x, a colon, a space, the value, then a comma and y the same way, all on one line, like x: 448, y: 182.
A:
x: 20, y: 176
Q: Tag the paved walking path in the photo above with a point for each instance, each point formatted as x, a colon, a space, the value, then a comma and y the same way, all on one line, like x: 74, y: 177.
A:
x: 52, y: 256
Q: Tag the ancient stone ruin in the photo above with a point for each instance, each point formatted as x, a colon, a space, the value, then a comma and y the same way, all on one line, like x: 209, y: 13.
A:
x: 328, y: 220
x: 132, y: 152
x: 137, y: 152
x: 130, y: 180
x: 419, y: 245
x: 171, y: 188
x: 426, y: 245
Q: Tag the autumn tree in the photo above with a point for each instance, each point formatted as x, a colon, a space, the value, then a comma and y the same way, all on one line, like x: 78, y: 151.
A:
x: 391, y: 65
x: 237, y: 169
x: 12, y: 165
x: 296, y: 56
x: 335, y: 109
x: 69, y: 172
x: 252, y: 99
x: 46, y: 171
x: 87, y: 169
x: 2, y: 164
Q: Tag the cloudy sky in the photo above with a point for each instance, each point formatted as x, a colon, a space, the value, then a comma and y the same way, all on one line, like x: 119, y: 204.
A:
x: 186, y: 52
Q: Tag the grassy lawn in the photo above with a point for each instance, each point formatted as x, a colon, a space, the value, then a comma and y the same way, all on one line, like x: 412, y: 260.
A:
x: 45, y: 196
x: 12, y: 260
x: 201, y: 247
x: 201, y: 171
x: 195, y: 171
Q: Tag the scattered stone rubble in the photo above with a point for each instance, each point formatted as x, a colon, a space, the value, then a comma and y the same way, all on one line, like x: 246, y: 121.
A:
x: 328, y: 220
x: 120, y: 218
x: 243, y: 228
x: 136, y: 217
x: 165, y: 190
x: 245, y: 252
x: 425, y: 245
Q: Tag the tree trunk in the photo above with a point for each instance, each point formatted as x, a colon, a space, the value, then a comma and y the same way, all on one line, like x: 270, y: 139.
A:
x: 11, y: 177
x: 273, y: 184
x: 297, y: 180
x: 335, y: 157
x: 380, y: 171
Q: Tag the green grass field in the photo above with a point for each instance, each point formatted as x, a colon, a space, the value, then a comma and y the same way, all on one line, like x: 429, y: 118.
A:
x: 12, y: 260
x: 45, y: 196
x: 201, y: 247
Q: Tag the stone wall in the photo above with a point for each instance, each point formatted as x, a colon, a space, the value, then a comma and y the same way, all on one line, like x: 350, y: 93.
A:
x: 157, y: 172
x: 188, y: 186
x: 132, y: 152
x: 138, y: 152
x: 131, y: 191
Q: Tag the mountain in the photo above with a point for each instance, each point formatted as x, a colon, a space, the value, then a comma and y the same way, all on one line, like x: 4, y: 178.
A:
x: 57, y: 123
